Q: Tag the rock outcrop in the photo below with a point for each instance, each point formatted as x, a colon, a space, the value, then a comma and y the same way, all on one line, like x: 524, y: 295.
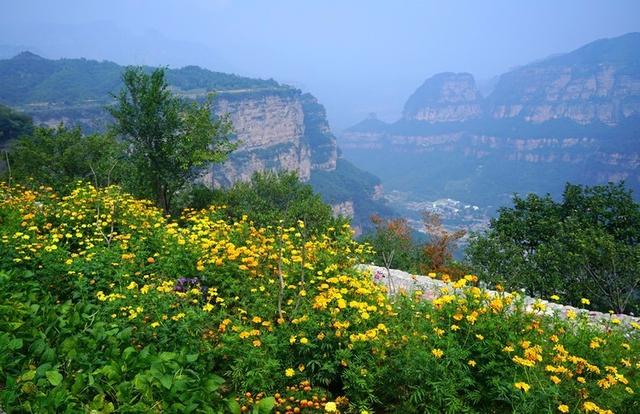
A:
x: 276, y: 131
x: 599, y: 82
x: 445, y: 97
x: 269, y: 127
x: 573, y: 117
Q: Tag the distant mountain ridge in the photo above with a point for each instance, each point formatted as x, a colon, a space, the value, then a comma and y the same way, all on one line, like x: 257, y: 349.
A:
x: 598, y: 81
x: 27, y: 78
x: 278, y: 127
x: 569, y: 117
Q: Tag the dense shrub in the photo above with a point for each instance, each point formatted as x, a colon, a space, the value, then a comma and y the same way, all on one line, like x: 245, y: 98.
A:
x: 58, y: 157
x: 587, y: 245
x: 270, y: 199
x: 13, y: 125
x: 396, y: 246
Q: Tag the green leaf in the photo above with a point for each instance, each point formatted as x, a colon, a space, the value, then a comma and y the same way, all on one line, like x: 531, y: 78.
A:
x: 128, y: 352
x: 28, y: 376
x: 266, y: 405
x: 166, y: 381
x: 192, y: 357
x: 234, y: 407
x: 15, y: 344
x: 167, y: 356
x: 213, y: 383
x: 140, y: 382
x: 54, y: 377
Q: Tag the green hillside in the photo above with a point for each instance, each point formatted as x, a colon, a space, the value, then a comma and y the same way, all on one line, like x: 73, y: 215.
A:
x: 29, y: 78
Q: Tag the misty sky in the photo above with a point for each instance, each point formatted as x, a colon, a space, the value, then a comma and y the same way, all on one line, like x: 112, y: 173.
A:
x: 355, y: 56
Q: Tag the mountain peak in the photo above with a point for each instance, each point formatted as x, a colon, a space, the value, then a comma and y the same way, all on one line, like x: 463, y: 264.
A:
x: 616, y: 50
x: 445, y: 96
x: 27, y: 55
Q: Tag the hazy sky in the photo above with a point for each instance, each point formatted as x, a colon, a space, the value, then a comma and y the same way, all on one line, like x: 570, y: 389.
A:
x: 355, y: 56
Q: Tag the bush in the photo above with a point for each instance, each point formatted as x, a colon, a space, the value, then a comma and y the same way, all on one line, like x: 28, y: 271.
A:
x: 58, y: 157
x: 587, y: 245
x: 270, y: 199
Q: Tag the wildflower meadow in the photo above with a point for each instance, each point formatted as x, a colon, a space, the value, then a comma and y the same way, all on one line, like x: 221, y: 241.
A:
x: 107, y: 305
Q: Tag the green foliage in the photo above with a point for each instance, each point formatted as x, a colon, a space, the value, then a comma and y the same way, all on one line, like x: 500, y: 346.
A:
x: 588, y: 245
x: 13, y: 125
x: 171, y: 141
x: 270, y: 199
x: 58, y: 157
x: 69, y: 357
x: 194, y: 77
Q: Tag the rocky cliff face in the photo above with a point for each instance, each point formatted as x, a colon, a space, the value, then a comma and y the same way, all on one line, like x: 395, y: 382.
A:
x: 446, y: 97
x: 269, y: 127
x: 573, y: 117
x: 276, y: 131
x: 599, y: 82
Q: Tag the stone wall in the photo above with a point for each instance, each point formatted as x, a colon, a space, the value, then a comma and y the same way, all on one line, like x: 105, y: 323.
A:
x: 432, y: 288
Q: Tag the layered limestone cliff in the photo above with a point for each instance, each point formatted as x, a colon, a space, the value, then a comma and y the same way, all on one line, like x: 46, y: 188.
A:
x: 604, y: 93
x: 276, y: 131
x: 570, y: 117
x: 268, y: 128
x: 599, y: 82
x: 445, y: 97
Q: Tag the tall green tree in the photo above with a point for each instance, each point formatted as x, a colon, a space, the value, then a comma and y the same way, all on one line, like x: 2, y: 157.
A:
x: 170, y: 140
x: 587, y: 245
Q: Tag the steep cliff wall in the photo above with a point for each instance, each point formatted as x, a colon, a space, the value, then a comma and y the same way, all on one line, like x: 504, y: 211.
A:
x: 598, y: 82
x: 445, y: 97
x: 276, y: 131
x: 269, y: 128
x: 574, y: 117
